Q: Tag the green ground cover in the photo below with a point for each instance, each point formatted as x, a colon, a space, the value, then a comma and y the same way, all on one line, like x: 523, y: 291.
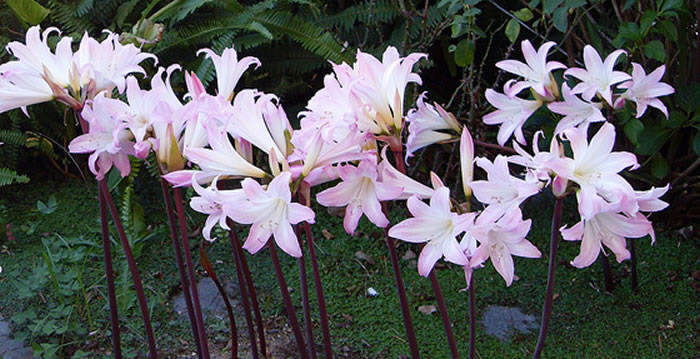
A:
x: 52, y: 288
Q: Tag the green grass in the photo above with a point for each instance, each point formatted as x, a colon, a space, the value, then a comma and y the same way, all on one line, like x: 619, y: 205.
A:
x: 587, y: 323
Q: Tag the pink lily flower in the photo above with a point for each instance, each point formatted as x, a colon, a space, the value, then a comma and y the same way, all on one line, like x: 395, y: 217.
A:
x: 361, y: 192
x: 576, y: 112
x: 466, y: 161
x: 228, y: 69
x: 595, y: 168
x: 501, y: 240
x: 468, y: 247
x: 38, y: 75
x: 214, y: 203
x: 648, y: 201
x: 109, y: 62
x: 222, y: 159
x: 598, y: 75
x: 35, y: 57
x: 438, y: 226
x: 320, y: 147
x: 536, y: 71
x: 330, y: 108
x: 22, y: 91
x: 271, y: 213
x: 248, y: 122
x: 424, y: 124
x: 609, y: 228
x: 501, y: 192
x: 379, y: 93
x: 537, y: 164
x: 393, y: 177
x: 107, y: 140
x: 511, y: 113
x: 644, y: 89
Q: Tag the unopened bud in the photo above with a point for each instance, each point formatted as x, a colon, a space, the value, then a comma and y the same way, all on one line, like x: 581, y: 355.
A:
x: 559, y: 186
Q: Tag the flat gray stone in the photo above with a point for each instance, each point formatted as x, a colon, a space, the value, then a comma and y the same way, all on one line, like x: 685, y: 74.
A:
x: 4, y: 329
x: 502, y: 322
x: 209, y: 298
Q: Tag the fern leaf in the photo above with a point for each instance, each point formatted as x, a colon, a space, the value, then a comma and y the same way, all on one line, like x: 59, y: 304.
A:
x: 8, y: 177
x: 13, y: 137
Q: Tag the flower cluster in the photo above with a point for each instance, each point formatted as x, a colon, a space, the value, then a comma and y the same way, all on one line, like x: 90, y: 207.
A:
x: 211, y: 142
x: 610, y: 209
x: 597, y: 80
x: 40, y: 74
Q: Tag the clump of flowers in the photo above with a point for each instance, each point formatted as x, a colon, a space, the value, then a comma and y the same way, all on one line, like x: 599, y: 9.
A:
x: 211, y: 142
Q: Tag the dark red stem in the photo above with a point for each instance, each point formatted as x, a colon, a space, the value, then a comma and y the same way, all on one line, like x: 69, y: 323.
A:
x: 607, y: 273
x: 186, y: 289
x: 444, y: 314
x: 403, y: 300
x: 291, y: 313
x: 190, y: 272
x: 135, y: 276
x: 308, y: 325
x: 233, y: 238
x: 319, y: 293
x: 633, y: 262
x: 109, y: 272
x: 209, y: 268
x: 549, y: 294
x: 253, y: 298
x: 472, y: 319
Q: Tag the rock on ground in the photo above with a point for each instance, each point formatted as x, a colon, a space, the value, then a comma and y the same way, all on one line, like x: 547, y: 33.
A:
x: 502, y: 322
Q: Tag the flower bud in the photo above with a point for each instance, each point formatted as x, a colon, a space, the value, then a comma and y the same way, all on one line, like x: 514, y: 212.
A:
x: 559, y: 186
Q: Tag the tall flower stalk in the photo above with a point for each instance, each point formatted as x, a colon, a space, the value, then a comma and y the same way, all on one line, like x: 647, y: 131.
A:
x: 243, y: 285
x: 109, y: 273
x: 135, y: 276
x: 549, y: 294
x: 177, y: 192
x: 177, y: 248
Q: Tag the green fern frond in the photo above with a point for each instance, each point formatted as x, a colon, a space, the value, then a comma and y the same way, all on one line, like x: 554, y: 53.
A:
x: 127, y: 196
x: 13, y: 137
x: 364, y: 13
x: 8, y: 177
x: 199, y: 33
x: 84, y: 7
x: 309, y: 35
x: 65, y: 14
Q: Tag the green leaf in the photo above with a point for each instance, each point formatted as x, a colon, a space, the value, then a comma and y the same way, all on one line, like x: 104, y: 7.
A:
x: 123, y: 11
x: 28, y: 11
x: 668, y: 29
x: 512, y: 30
x: 652, y: 139
x: 655, y: 50
x: 696, y: 143
x: 459, y: 26
x: 688, y: 97
x: 262, y: 30
x: 632, y: 129
x: 671, y: 5
x: 659, y: 166
x: 560, y: 19
x: 574, y: 4
x: 524, y: 14
x: 628, y: 5
x: 647, y: 21
x: 675, y: 119
x: 549, y: 5
x: 464, y: 53
x: 630, y: 31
